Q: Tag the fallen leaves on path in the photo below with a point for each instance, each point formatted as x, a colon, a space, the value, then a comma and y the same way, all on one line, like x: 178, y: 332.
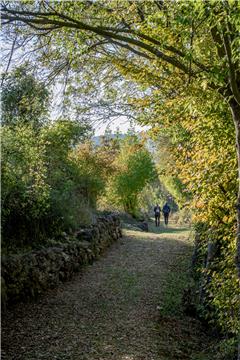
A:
x: 109, y: 311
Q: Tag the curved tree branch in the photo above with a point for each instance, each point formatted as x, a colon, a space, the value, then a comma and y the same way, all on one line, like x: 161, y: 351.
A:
x: 30, y: 19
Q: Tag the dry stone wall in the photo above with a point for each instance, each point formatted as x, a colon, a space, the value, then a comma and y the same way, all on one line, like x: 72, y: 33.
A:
x: 25, y: 276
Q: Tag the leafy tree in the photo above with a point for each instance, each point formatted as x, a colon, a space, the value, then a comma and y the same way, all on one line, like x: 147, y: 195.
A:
x: 24, y: 99
x: 67, y: 200
x: 25, y: 193
x: 199, y: 152
x: 166, y: 166
x: 92, y: 167
x: 43, y: 186
x: 134, y: 170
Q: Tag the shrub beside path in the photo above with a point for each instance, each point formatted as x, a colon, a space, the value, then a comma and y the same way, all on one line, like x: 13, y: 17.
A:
x: 126, y: 306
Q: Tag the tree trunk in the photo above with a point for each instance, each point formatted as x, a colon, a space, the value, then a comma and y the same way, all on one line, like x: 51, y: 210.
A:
x: 235, y: 109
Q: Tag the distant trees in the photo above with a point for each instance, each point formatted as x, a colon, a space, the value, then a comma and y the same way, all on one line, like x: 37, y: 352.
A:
x: 134, y: 170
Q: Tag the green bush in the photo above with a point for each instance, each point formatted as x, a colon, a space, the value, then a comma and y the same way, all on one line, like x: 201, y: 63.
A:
x: 25, y: 192
x: 43, y: 187
x: 134, y: 169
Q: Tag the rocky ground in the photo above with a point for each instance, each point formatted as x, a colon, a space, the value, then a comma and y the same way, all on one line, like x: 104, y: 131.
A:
x: 123, y: 307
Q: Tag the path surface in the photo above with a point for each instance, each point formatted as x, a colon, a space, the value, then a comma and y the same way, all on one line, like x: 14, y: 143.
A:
x: 109, y: 311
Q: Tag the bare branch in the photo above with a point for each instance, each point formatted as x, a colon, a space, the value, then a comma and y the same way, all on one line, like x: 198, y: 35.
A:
x: 9, y: 60
x: 139, y: 53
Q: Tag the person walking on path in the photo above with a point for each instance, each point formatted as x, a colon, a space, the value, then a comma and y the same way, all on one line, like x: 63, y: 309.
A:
x: 157, y: 211
x: 166, y: 211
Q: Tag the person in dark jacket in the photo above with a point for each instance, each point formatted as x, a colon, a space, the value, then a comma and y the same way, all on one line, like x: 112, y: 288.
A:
x: 157, y: 211
x: 166, y: 211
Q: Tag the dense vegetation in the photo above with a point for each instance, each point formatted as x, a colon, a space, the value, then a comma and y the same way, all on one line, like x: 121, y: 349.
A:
x: 53, y: 174
x: 204, y: 161
x: 177, y: 69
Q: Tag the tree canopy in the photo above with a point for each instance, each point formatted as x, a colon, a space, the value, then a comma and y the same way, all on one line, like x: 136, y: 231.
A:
x: 152, y: 34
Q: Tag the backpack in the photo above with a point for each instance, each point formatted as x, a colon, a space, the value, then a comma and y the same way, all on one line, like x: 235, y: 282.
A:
x: 166, y: 209
x: 157, y: 210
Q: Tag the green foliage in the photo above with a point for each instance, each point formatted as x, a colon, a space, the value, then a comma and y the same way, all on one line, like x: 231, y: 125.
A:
x: 92, y: 168
x: 152, y: 193
x: 135, y: 169
x: 24, y: 99
x: 41, y: 185
x: 25, y: 193
x: 200, y: 162
x: 166, y: 168
x: 64, y: 176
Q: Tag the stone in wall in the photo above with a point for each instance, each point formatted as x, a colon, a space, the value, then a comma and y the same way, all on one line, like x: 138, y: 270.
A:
x: 25, y: 276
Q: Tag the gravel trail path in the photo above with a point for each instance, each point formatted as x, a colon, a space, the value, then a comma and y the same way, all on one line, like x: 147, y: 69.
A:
x: 109, y: 311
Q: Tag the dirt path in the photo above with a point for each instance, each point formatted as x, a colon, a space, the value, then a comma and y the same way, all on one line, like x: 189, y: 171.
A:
x: 108, y: 311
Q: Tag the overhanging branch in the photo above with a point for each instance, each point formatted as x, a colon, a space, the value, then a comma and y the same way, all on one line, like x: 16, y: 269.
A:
x: 75, y: 24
